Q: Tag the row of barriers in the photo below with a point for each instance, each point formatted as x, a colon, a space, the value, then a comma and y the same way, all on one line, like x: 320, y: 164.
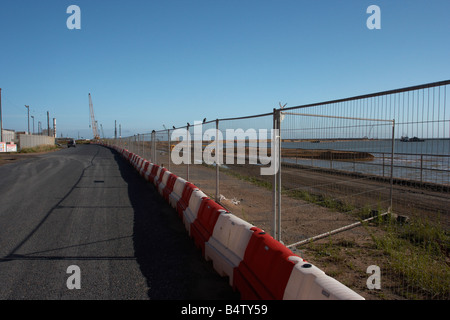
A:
x: 258, y: 266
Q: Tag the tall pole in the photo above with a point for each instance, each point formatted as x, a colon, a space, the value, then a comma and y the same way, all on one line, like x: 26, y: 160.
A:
x: 1, y: 123
x: 32, y: 117
x: 48, y: 124
x: 28, y: 108
x: 115, y: 129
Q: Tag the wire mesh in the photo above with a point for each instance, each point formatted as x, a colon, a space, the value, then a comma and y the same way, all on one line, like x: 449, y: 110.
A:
x: 242, y: 188
x: 327, y: 165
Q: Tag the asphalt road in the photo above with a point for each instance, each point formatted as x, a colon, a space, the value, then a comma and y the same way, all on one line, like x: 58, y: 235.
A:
x: 87, y: 207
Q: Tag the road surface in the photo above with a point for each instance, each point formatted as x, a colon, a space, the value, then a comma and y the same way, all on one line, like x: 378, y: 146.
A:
x: 87, y: 207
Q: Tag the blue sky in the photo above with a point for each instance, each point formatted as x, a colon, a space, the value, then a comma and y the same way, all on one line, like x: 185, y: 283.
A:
x: 149, y: 63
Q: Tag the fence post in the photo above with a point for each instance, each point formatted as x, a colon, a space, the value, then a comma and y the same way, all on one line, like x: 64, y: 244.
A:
x: 189, y: 152
x: 331, y: 159
x: 279, y: 173
x: 153, y: 148
x: 143, y: 146
x: 276, y: 140
x: 354, y: 162
x: 218, y: 155
x: 169, y: 147
x: 421, y: 168
x: 392, y: 165
x: 274, y: 187
x: 138, y: 144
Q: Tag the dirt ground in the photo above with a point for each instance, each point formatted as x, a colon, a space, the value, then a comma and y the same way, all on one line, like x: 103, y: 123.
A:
x: 14, y: 157
x: 11, y: 157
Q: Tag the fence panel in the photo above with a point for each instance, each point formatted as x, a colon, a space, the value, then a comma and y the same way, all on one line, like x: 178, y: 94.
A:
x: 410, y: 245
x: 327, y: 172
x: 242, y: 187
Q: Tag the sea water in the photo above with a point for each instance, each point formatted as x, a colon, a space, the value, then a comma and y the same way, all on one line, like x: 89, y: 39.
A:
x: 426, y: 161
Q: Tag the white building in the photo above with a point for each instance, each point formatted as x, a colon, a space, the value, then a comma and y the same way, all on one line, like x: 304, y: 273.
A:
x: 8, y: 135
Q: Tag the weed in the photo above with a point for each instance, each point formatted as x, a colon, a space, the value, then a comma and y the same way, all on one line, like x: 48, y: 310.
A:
x: 417, y: 259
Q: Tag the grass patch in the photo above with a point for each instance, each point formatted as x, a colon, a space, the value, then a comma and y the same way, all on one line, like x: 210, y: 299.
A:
x: 253, y: 180
x: 418, y: 255
x: 82, y: 141
x: 40, y: 148
x: 321, y: 200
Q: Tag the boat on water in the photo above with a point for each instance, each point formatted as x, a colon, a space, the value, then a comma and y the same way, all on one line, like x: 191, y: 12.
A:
x: 413, y: 139
x: 404, y: 139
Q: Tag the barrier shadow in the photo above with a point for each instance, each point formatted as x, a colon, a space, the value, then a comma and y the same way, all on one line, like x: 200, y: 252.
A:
x: 173, y: 267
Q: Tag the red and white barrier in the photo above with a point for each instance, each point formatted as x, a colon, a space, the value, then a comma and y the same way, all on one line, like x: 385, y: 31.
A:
x: 307, y: 282
x: 190, y: 214
x: 168, y: 188
x: 144, y: 168
x: 159, y: 176
x: 203, y: 226
x: 151, y: 173
x: 265, y: 270
x: 163, y: 182
x: 183, y: 202
x: 177, y: 192
x: 257, y: 265
x: 227, y: 245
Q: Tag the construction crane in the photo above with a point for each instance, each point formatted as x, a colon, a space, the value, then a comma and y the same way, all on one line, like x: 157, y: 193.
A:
x: 93, y: 122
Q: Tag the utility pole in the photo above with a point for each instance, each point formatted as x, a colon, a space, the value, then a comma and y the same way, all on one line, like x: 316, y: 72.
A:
x: 48, y: 124
x: 54, y: 128
x: 115, y: 129
x: 32, y: 117
x: 28, y: 108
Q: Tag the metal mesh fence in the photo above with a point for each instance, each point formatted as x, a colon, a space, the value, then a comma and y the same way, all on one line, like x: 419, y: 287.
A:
x: 359, y: 182
x: 327, y: 165
x: 243, y: 190
x: 367, y: 166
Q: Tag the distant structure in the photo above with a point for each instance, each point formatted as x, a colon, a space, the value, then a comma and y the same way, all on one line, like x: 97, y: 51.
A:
x: 93, y: 122
x: 8, y: 135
